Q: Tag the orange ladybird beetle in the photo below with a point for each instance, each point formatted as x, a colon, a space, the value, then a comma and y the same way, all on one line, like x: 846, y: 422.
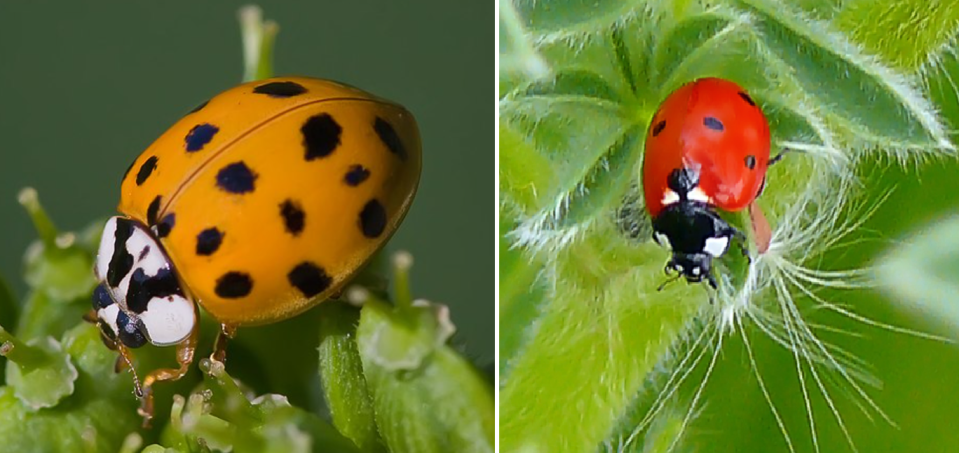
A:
x: 257, y: 205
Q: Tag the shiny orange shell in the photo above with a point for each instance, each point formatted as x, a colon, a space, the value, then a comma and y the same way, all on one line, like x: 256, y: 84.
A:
x: 713, y: 126
x: 272, y: 195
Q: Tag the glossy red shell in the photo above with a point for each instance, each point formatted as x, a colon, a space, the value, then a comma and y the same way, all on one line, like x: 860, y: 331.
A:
x: 679, y: 136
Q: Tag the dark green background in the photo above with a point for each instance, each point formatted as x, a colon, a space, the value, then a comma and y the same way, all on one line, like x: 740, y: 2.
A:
x: 85, y: 88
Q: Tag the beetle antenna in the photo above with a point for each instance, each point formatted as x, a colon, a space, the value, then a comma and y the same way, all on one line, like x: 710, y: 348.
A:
x: 778, y: 156
x: 126, y: 358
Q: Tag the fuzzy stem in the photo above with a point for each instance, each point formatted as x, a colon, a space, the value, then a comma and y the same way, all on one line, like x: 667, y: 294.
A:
x: 603, y: 338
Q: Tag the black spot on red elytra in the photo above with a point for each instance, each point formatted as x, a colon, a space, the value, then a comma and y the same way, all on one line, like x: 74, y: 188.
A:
x: 122, y: 261
x: 199, y: 136
x: 146, y: 170
x: 321, y: 136
x: 280, y: 89
x: 153, y: 210
x: 233, y: 285
x: 747, y: 98
x: 750, y: 162
x: 373, y: 219
x: 309, y: 278
x: 389, y: 137
x: 356, y: 175
x: 659, y: 127
x: 294, y: 219
x: 208, y: 241
x: 165, y: 225
x: 713, y: 123
x: 236, y: 178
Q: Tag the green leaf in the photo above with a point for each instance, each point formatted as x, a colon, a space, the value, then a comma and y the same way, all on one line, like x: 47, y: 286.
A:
x: 840, y: 80
x: 922, y: 274
x: 226, y: 417
x: 601, y: 325
x: 341, y: 371
x: 520, y: 297
x: 43, y: 316
x: 518, y: 58
x: 97, y: 416
x: 428, y: 398
x: 43, y: 376
x: 604, y: 323
x: 522, y: 176
x: 56, y: 264
x: 565, y: 16
x: 909, y: 34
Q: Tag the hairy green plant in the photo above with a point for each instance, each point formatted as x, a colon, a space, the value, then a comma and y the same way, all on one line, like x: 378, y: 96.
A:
x: 593, y: 356
x: 389, y: 378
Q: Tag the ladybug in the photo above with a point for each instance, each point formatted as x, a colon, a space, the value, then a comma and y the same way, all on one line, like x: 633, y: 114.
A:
x: 707, y: 148
x: 257, y: 205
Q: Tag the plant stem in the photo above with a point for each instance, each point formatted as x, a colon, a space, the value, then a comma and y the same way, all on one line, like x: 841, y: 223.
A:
x: 402, y: 297
x: 41, y: 221
x: 19, y: 352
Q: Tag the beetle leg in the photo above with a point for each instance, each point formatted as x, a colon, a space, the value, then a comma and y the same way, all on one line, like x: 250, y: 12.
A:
x: 184, y: 356
x: 219, y: 346
x: 91, y: 317
x: 778, y: 157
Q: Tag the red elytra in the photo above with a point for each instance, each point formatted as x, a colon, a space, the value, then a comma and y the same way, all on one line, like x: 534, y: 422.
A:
x: 710, y: 125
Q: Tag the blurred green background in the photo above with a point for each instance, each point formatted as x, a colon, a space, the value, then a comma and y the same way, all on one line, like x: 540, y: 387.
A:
x: 919, y: 378
x: 85, y: 87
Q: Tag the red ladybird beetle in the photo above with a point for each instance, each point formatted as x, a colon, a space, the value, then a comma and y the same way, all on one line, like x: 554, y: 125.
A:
x: 707, y: 147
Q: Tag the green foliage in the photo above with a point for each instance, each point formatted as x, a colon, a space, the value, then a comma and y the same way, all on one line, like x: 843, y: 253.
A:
x: 923, y: 273
x: 426, y: 397
x: 63, y: 390
x: 588, y: 343
x: 921, y: 30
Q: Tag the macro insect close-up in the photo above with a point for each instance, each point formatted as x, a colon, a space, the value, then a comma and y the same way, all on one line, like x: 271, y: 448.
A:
x: 341, y: 174
x: 728, y: 226
x: 266, y: 242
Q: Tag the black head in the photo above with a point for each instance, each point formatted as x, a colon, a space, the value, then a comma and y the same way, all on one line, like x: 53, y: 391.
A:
x: 696, y: 235
x: 695, y: 267
x: 695, y: 232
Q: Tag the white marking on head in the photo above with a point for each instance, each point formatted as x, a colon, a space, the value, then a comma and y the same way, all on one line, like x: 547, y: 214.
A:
x: 696, y: 270
x: 716, y: 246
x: 108, y: 316
x: 697, y: 194
x: 168, y: 320
x: 669, y: 197
x: 154, y: 260
x: 105, y: 252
